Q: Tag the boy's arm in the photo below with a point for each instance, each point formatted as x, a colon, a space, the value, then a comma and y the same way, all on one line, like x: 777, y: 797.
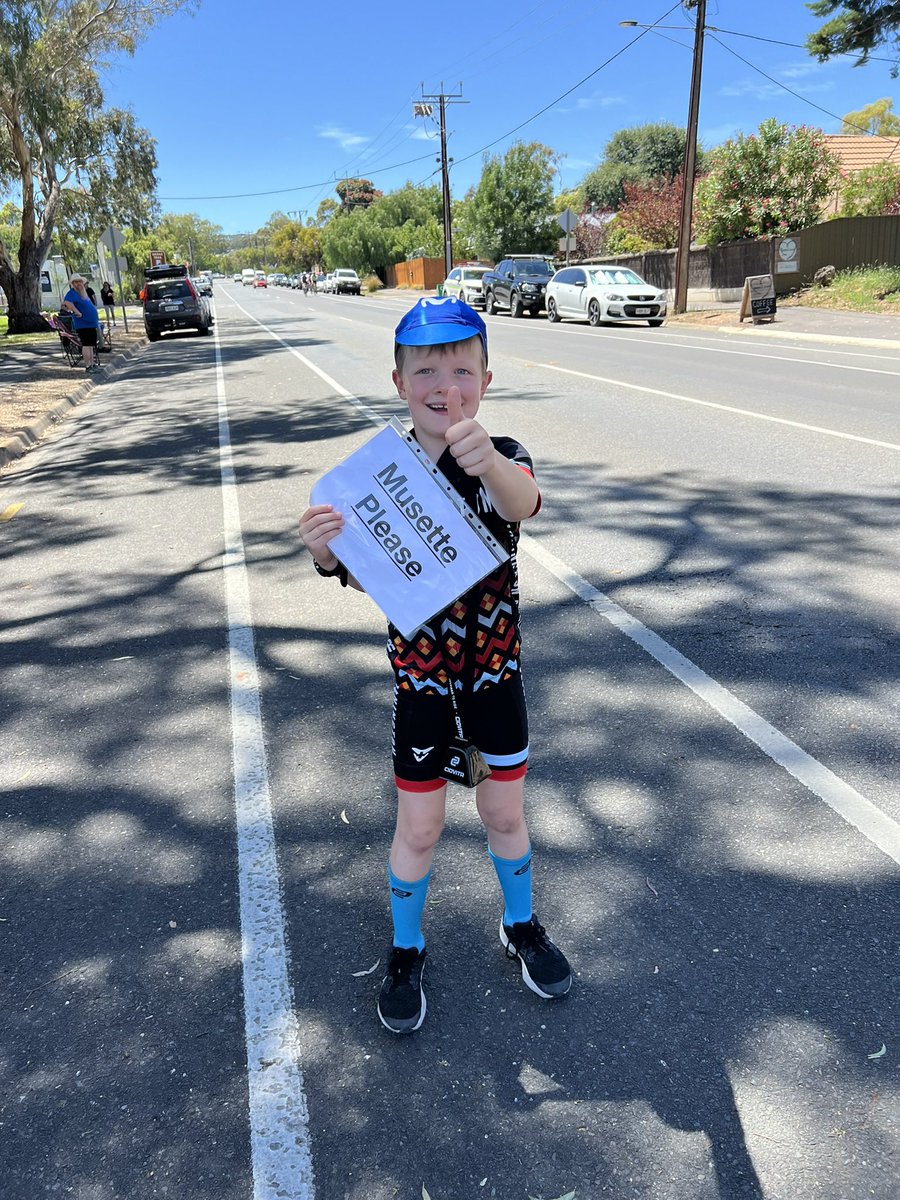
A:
x: 513, y: 491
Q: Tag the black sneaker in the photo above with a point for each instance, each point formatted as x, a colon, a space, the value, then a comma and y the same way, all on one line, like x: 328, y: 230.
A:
x: 401, y: 1005
x: 544, y: 967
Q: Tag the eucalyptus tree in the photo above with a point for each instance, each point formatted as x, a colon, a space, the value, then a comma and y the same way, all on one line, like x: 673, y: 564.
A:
x: 61, y: 150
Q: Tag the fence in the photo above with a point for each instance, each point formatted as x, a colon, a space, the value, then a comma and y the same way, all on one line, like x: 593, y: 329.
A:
x: 842, y: 243
x: 422, y: 273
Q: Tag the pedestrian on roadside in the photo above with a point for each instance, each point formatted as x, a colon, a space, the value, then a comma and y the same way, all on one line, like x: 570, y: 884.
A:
x: 109, y: 299
x: 473, y: 647
x: 85, y: 320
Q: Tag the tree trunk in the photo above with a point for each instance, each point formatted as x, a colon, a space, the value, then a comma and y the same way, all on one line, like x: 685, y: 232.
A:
x: 23, y: 294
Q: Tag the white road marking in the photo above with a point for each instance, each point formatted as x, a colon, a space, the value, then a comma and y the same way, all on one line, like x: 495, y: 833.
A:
x: 743, y: 412
x: 849, y: 804
x: 672, y: 344
x: 859, y: 812
x: 279, y: 1119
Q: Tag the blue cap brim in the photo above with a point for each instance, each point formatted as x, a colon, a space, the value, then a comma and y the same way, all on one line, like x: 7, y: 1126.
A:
x: 436, y: 320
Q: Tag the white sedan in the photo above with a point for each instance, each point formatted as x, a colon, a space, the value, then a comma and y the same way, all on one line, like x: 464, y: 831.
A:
x: 465, y: 283
x: 598, y: 294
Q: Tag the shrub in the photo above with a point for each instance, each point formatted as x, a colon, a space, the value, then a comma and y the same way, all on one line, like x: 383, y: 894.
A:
x: 370, y: 284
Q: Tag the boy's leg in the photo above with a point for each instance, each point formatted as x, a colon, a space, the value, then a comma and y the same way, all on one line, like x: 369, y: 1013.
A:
x: 420, y: 819
x: 544, y: 966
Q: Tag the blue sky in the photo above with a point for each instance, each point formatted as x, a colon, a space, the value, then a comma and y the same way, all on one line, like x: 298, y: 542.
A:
x: 285, y: 98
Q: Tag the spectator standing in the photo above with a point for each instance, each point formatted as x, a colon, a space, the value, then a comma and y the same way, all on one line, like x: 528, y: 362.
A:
x: 85, y: 320
x: 108, y: 297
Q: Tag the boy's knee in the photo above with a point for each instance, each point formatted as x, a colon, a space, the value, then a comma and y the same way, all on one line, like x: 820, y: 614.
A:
x: 420, y: 836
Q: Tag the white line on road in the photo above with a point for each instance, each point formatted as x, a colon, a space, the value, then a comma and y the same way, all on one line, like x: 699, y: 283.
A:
x: 743, y: 412
x: 279, y: 1120
x: 859, y: 812
x: 849, y: 804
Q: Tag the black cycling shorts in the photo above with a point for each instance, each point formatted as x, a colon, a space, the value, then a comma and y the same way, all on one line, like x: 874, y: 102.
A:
x: 88, y: 336
x: 495, y: 718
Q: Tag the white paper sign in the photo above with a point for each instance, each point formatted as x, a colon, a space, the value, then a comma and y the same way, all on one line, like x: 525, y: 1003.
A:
x: 408, y: 537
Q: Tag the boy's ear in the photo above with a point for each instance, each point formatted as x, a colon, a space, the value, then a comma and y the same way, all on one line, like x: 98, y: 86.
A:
x: 398, y: 383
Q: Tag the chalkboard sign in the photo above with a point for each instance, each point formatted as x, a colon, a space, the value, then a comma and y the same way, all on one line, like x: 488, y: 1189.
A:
x: 764, y: 307
x: 758, y: 300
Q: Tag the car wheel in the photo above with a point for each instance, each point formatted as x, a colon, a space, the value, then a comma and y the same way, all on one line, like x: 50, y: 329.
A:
x: 594, y: 313
x: 490, y: 304
x: 203, y: 330
x: 552, y: 314
x: 515, y: 305
x: 656, y: 323
x: 153, y: 335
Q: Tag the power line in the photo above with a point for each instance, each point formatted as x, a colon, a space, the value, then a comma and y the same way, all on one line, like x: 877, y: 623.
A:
x: 800, y: 96
x: 570, y: 90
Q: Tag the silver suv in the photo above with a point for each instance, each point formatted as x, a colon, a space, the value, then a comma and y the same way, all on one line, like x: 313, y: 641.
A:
x: 345, y: 281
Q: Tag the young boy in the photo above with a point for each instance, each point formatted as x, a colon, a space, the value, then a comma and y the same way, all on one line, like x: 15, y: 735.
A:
x: 473, y: 646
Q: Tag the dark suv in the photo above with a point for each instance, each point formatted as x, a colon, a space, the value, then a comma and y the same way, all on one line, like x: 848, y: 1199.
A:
x: 171, y: 301
x: 517, y: 283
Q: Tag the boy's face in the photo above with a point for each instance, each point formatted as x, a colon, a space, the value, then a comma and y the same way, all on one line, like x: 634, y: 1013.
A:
x: 427, y: 374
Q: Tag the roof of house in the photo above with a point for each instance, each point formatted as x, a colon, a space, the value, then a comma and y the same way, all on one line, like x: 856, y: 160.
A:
x: 857, y: 151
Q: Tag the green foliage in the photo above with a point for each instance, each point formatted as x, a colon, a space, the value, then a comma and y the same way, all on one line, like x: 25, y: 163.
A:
x: 621, y: 241
x: 296, y: 247
x: 876, y: 118
x: 872, y: 192
x: 356, y: 193
x: 858, y: 27
x: 636, y: 155
x: 394, y: 227
x: 511, y: 209
x: 764, y: 184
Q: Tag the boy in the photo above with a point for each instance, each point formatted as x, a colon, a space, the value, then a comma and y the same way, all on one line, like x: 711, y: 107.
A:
x: 441, y: 372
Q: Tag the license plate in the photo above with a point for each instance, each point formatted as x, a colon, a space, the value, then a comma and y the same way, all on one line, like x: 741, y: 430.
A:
x: 642, y: 312
x: 171, y: 308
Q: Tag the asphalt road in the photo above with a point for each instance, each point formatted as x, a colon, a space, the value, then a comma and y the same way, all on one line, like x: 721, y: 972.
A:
x: 711, y: 636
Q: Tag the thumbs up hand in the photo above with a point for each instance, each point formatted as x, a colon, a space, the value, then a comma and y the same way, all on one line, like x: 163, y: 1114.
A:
x: 469, y: 443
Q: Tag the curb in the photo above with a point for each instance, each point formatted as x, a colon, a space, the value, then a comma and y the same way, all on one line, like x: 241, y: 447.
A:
x: 25, y: 439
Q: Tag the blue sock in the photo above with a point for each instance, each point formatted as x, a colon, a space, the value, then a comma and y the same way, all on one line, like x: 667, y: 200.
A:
x: 407, y: 903
x: 515, y: 882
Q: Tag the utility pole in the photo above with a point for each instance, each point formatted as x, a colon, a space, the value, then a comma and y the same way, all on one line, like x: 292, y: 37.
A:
x: 425, y: 109
x: 683, y: 262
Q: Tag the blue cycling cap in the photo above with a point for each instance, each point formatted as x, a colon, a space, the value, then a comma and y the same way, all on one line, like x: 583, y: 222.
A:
x: 435, y: 320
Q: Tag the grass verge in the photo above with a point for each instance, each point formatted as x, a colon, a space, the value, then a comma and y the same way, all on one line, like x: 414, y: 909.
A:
x: 861, y: 289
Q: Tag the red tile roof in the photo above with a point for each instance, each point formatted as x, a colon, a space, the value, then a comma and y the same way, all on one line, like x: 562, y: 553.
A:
x: 857, y: 151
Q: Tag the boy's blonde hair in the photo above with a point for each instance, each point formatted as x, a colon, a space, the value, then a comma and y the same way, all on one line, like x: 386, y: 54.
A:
x: 401, y: 353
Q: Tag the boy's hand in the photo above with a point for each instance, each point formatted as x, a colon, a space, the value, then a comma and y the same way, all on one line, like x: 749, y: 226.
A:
x: 318, y: 525
x: 469, y: 443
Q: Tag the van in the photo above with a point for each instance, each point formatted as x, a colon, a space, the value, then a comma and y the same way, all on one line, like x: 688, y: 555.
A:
x: 248, y: 277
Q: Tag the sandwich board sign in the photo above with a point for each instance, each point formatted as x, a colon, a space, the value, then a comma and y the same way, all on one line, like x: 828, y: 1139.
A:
x: 758, y: 300
x: 408, y: 537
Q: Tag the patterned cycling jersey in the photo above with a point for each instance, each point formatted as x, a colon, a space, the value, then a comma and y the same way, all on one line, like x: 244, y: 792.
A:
x: 476, y: 637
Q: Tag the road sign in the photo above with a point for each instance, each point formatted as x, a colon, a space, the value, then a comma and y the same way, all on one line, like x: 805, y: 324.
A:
x: 113, y: 239
x: 567, y: 220
x: 157, y: 258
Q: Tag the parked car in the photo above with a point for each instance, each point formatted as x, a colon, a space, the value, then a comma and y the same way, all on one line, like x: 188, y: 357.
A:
x: 597, y: 294
x: 345, y: 281
x: 518, y: 283
x: 329, y: 282
x: 204, y: 285
x: 465, y: 282
x: 170, y: 301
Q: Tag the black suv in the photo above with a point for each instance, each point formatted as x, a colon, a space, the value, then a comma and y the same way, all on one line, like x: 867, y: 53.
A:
x: 171, y: 301
x: 517, y: 283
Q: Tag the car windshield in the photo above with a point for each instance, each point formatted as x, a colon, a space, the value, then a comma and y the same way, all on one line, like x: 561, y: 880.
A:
x: 474, y: 272
x: 170, y: 289
x: 535, y: 267
x: 620, y: 275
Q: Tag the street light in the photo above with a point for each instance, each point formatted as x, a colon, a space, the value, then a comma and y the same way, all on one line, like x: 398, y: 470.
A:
x: 683, y: 259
